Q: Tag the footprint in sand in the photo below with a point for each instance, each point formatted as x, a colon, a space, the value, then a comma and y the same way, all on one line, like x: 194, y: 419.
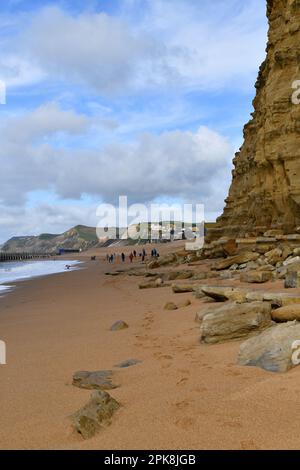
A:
x: 162, y: 357
x: 167, y: 356
x: 166, y: 366
x: 185, y: 423
x: 249, y: 445
x: 149, y: 317
x: 188, y: 354
x: 182, y: 381
x: 182, y: 405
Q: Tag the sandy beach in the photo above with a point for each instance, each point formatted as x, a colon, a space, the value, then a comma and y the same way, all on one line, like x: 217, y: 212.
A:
x: 183, y: 394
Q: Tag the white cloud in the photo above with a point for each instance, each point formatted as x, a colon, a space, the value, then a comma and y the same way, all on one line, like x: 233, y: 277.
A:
x: 26, y: 157
x: 92, y: 48
x: 43, y: 122
x: 17, y: 71
x: 219, y: 43
x: 176, y: 164
x: 178, y: 44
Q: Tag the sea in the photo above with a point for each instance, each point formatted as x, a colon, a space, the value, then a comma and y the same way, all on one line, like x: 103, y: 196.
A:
x: 11, y: 272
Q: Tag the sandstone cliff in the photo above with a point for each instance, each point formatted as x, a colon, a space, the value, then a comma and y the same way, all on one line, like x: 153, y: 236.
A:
x: 265, y: 189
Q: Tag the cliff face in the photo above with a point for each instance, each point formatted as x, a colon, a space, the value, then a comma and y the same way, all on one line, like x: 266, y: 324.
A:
x: 265, y: 189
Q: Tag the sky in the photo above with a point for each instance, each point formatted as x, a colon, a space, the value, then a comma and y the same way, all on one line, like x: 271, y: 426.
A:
x: 143, y: 98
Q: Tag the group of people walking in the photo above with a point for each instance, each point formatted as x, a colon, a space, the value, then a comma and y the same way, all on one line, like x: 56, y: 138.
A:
x: 111, y: 258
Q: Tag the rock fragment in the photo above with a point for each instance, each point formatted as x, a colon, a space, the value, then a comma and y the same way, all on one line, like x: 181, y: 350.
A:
x: 95, y: 415
x: 119, y: 325
x: 98, y: 380
x: 127, y: 363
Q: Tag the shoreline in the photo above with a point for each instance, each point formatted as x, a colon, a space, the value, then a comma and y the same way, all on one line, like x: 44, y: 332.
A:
x: 182, y: 395
x: 7, y: 287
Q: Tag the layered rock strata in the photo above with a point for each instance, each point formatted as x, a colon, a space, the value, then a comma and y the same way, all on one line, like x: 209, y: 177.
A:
x: 265, y: 189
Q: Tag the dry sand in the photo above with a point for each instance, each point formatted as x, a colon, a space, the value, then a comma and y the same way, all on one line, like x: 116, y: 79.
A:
x: 183, y: 395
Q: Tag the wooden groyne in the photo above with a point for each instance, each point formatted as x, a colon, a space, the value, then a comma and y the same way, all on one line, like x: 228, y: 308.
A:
x: 22, y: 256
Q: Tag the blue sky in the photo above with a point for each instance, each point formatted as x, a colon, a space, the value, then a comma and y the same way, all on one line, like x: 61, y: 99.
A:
x: 146, y: 98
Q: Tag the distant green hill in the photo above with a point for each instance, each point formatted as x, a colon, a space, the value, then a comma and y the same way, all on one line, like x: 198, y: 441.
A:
x: 77, y: 238
x: 80, y: 238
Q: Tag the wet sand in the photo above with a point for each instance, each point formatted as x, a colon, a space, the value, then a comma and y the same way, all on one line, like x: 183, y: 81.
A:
x: 183, y: 395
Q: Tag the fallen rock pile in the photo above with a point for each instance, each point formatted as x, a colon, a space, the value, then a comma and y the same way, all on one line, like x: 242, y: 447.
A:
x: 175, y: 259
x: 258, y: 260
x: 268, y: 319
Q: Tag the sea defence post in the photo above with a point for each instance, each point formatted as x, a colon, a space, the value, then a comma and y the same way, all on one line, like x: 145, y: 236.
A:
x: 23, y: 256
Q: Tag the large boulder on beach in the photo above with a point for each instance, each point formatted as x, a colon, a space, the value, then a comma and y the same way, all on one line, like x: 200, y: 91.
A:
x: 170, y: 306
x: 98, y: 380
x: 255, y: 296
x: 291, y: 280
x: 293, y: 267
x: 95, y: 415
x: 266, y: 267
x: 222, y: 293
x: 183, y: 288
x: 166, y: 260
x: 288, y: 313
x: 234, y: 321
x: 241, y: 295
x: 238, y: 259
x: 278, y: 299
x: 153, y: 284
x: 275, y: 350
x: 204, y: 310
x: 153, y: 264
x: 274, y: 256
x: 256, y: 277
x: 172, y: 276
x: 292, y: 261
x: 198, y: 293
